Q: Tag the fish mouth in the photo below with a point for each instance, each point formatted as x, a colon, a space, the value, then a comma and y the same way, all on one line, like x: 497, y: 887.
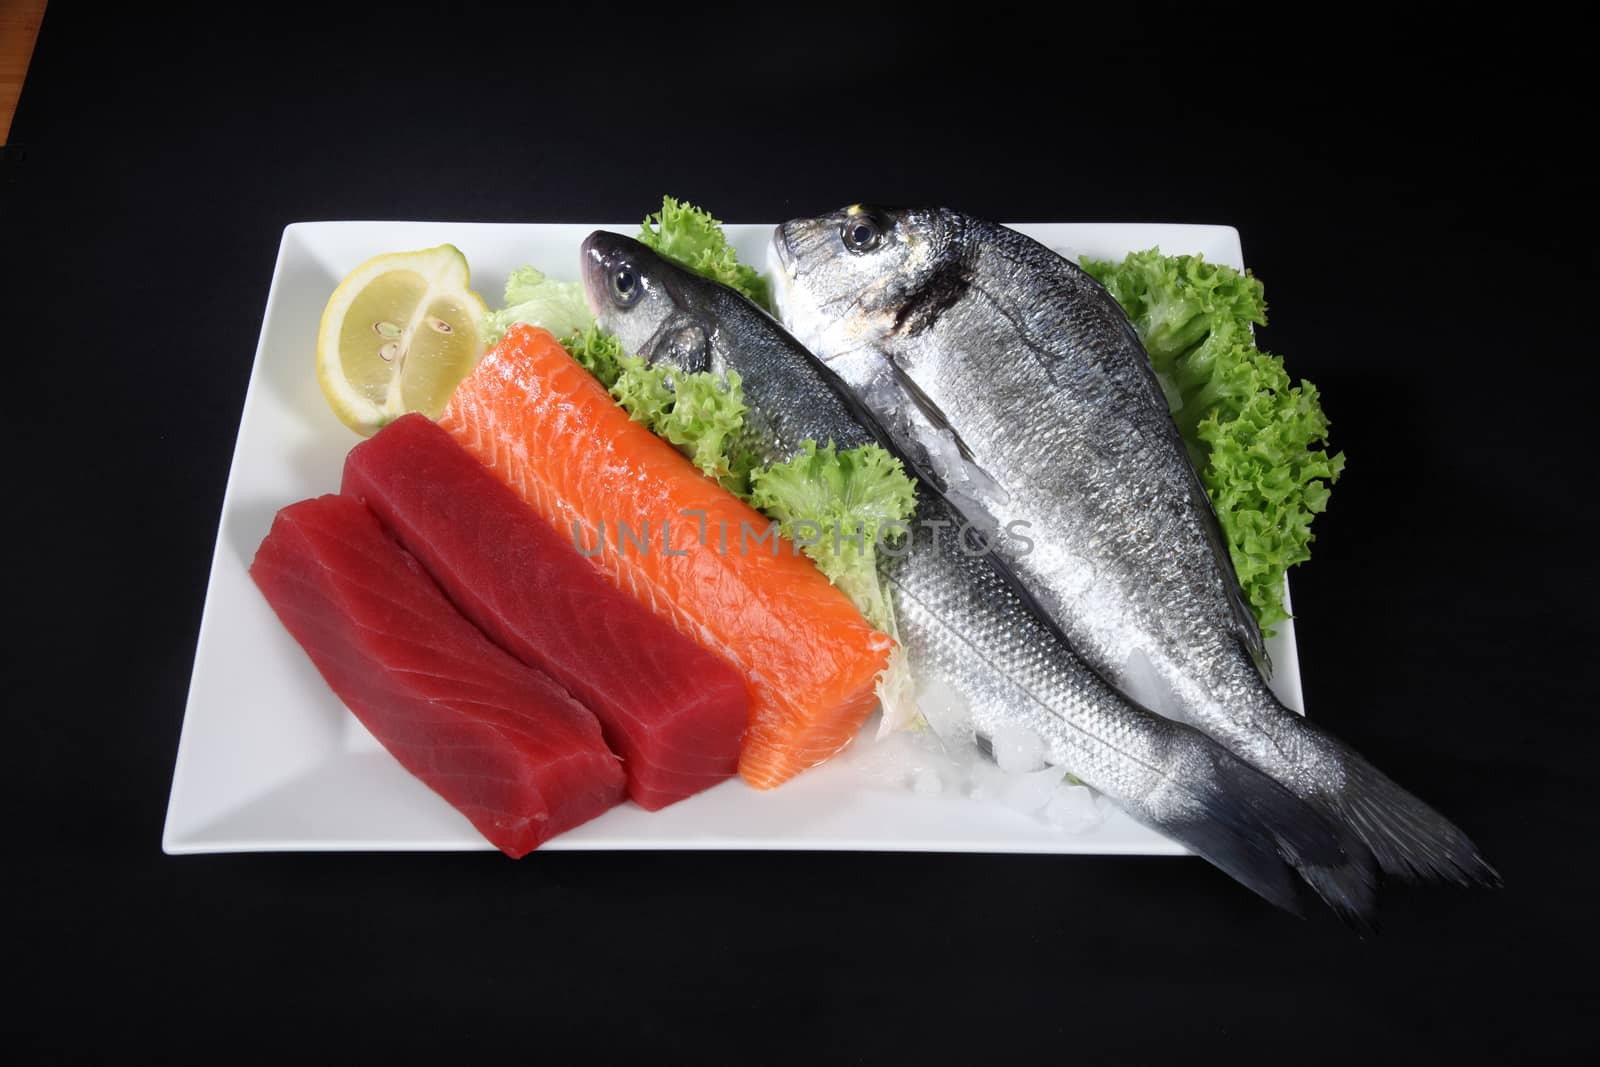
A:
x: 592, y: 260
x: 780, y: 248
x: 781, y: 266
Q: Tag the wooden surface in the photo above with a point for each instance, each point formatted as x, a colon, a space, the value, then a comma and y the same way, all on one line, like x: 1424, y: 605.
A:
x: 19, y: 25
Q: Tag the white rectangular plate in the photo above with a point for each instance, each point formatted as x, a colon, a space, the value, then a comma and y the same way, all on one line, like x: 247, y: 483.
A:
x: 270, y: 759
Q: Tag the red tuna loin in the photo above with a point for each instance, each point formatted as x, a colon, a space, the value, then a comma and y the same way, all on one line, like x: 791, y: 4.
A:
x: 673, y: 711
x: 506, y: 746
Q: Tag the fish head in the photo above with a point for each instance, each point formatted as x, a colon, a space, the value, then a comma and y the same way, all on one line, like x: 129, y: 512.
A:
x: 654, y: 307
x: 849, y: 279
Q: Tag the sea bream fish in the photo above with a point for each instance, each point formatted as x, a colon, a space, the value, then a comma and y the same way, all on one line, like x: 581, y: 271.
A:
x: 962, y: 625
x: 1016, y: 385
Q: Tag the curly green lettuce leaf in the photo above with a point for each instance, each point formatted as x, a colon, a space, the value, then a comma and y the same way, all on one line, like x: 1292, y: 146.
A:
x: 1256, y: 440
x: 1176, y: 301
x: 598, y: 352
x: 701, y: 413
x: 690, y: 237
x: 532, y: 298
x: 1268, y: 483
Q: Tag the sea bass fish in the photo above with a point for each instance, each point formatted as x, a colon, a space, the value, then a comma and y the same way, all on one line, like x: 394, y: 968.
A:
x: 963, y: 626
x: 1016, y: 385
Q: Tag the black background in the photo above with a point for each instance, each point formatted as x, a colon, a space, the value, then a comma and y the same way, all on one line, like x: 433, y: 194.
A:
x: 1407, y: 184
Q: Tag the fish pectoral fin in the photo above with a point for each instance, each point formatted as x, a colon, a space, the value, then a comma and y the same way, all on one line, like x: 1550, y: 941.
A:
x: 987, y: 485
x: 930, y: 410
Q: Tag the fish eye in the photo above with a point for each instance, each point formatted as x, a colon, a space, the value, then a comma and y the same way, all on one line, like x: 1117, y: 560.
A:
x: 861, y: 233
x: 625, y: 285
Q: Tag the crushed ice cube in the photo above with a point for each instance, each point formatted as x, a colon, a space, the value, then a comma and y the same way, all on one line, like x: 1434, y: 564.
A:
x: 1017, y: 749
x: 1031, y: 792
x: 947, y: 713
x: 1074, y: 808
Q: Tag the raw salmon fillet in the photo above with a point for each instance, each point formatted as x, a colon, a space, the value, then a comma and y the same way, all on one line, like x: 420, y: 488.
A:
x: 551, y: 432
x: 674, y: 712
x: 505, y: 745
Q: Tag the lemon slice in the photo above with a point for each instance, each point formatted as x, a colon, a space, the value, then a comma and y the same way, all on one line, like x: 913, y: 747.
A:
x: 397, y: 336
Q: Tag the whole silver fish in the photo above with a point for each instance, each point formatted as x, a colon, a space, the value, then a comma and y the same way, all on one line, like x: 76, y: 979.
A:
x: 1016, y: 385
x: 962, y: 624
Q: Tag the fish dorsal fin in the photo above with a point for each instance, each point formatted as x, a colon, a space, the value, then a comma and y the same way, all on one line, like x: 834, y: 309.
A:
x: 1245, y: 627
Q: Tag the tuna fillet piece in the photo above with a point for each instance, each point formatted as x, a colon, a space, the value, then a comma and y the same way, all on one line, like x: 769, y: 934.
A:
x: 505, y: 745
x: 673, y: 711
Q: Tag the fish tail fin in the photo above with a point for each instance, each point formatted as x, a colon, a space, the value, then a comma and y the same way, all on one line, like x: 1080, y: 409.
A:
x: 1262, y: 835
x: 1410, y: 840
